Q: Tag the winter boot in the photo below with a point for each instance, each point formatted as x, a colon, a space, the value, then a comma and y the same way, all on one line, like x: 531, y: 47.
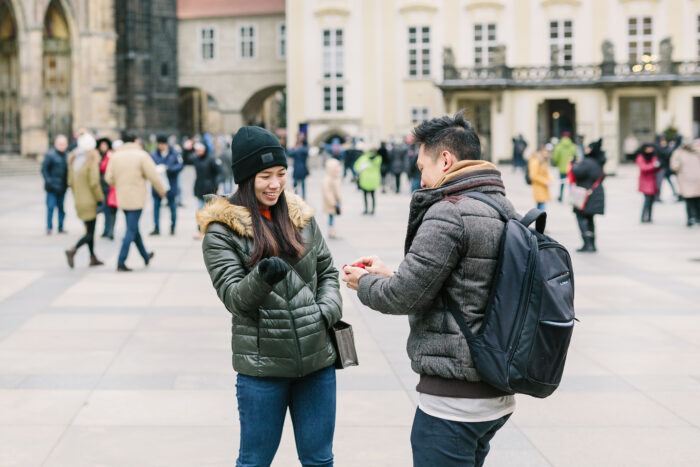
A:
x: 94, y: 261
x: 587, y: 243
x: 70, y: 254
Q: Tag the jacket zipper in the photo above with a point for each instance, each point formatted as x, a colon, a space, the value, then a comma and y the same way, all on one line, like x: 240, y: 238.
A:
x: 296, y: 337
x: 525, y: 292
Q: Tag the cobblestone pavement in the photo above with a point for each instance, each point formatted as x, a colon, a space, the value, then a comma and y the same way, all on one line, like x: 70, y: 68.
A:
x: 101, y: 368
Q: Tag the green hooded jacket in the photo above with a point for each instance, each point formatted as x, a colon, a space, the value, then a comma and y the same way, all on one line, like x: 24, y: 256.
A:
x: 368, y: 168
x: 563, y: 152
x: 279, y: 330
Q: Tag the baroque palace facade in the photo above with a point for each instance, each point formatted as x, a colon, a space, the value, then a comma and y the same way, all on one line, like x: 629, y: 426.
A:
x: 95, y: 64
x: 599, y: 68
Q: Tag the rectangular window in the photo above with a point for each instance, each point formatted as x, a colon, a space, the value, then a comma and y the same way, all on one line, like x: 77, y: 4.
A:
x: 698, y: 35
x: 561, y: 42
x: 282, y: 40
x: 485, y: 41
x: 419, y: 51
x: 640, y: 36
x: 333, y: 70
x: 248, y: 41
x: 333, y: 98
x: 207, y: 39
x: 419, y: 115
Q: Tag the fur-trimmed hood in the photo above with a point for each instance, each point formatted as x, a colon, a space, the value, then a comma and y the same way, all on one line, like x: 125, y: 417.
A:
x: 219, y: 209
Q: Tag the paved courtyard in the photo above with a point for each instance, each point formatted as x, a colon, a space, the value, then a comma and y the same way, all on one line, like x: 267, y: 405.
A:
x: 108, y: 369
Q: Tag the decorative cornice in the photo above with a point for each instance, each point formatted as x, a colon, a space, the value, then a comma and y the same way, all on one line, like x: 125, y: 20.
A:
x: 477, y: 4
x: 338, y: 8
x: 548, y: 3
x: 417, y: 6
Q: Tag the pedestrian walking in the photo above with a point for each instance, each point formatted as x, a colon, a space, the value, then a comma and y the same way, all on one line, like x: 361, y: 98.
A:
x: 649, y: 166
x: 128, y: 169
x: 252, y: 248
x: 383, y: 152
x: 54, y: 169
x: 538, y: 169
x: 207, y: 175
x: 685, y: 163
x: 564, y: 152
x: 412, y: 168
x: 166, y: 156
x: 451, y: 253
x: 351, y: 156
x: 331, y: 194
x: 109, y: 209
x: 225, y: 166
x: 300, y: 156
x: 368, y: 168
x: 664, y: 151
x: 398, y: 154
x: 84, y: 181
x: 589, y: 174
x: 519, y: 146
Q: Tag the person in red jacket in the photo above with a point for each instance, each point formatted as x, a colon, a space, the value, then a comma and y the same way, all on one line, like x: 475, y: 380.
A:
x: 649, y: 164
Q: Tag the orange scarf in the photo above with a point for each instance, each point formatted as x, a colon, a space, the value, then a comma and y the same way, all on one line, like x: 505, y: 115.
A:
x: 266, y: 214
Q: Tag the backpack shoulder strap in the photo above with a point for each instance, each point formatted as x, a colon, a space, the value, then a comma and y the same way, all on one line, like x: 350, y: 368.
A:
x: 486, y: 199
x: 537, y: 216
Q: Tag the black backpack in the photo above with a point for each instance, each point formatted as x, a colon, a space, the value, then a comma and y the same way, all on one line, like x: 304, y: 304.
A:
x: 522, y: 343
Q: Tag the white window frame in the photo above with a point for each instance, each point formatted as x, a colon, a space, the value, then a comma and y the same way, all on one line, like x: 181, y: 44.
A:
x: 419, y: 115
x: 484, y: 43
x: 207, y: 41
x: 558, y: 30
x: 243, y: 40
x: 640, y: 42
x: 333, y: 70
x: 418, y: 60
x: 282, y: 40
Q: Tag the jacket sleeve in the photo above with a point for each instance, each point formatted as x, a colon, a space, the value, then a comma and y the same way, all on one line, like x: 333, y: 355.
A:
x: 580, y: 171
x: 149, y: 172
x: 676, y: 162
x: 328, y: 291
x: 242, y: 292
x: 433, y: 255
x: 644, y: 166
x: 46, y: 168
x: 94, y: 181
x: 176, y: 164
x: 109, y: 175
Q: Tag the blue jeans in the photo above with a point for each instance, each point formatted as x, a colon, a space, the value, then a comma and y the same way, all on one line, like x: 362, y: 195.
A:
x: 54, y: 200
x: 439, y: 442
x: 415, y: 184
x: 302, y: 183
x: 132, y: 235
x: 542, y: 206
x: 172, y: 204
x: 262, y: 407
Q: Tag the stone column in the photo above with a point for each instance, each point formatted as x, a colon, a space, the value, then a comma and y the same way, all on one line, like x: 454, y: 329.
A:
x: 34, y: 138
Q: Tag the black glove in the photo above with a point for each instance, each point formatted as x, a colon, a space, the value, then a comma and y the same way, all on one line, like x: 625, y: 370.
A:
x: 272, y: 270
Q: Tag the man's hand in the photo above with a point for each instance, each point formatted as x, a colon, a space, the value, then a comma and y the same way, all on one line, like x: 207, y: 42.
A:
x: 374, y: 265
x: 351, y: 276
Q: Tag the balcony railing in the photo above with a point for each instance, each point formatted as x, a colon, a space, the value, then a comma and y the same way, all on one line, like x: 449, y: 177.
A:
x: 647, y: 72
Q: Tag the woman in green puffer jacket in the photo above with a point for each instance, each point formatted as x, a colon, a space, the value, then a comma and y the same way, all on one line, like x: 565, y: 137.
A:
x: 272, y: 269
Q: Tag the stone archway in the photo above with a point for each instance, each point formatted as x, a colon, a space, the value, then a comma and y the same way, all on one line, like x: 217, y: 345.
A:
x: 57, y: 72
x: 198, y: 112
x: 263, y: 108
x: 9, y: 80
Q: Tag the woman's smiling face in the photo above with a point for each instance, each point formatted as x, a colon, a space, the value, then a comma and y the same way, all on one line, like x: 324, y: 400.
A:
x: 269, y: 185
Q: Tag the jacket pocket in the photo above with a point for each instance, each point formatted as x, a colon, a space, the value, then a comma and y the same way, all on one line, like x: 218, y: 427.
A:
x: 546, y: 363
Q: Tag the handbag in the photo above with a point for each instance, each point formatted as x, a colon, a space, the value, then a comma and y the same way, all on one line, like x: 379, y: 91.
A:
x: 337, y: 209
x: 578, y: 195
x: 344, y: 343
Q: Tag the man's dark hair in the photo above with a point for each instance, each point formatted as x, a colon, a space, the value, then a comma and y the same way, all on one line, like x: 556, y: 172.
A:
x: 455, y: 135
x: 129, y: 137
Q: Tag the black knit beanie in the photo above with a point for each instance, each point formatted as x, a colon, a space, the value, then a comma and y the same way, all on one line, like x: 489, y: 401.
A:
x: 255, y: 149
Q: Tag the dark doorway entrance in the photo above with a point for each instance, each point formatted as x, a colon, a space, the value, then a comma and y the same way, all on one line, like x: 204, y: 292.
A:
x: 478, y: 112
x: 554, y: 117
x: 696, y: 117
x: 9, y: 82
x: 637, y: 118
x: 58, y: 110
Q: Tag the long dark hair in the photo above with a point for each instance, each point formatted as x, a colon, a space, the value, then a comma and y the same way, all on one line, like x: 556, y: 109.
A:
x: 270, y: 238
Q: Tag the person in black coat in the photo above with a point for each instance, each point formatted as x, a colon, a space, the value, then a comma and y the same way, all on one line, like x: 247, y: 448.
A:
x: 383, y: 152
x: 399, y: 154
x: 208, y: 176
x: 166, y: 155
x: 589, y: 172
x: 54, y: 169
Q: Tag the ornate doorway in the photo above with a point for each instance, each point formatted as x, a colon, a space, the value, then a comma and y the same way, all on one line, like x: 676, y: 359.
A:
x: 56, y: 80
x: 9, y: 82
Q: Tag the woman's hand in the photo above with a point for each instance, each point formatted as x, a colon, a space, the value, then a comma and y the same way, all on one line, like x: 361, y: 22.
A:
x: 272, y: 270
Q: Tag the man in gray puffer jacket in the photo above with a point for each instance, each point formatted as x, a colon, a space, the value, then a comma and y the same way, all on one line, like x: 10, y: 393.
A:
x: 451, y: 251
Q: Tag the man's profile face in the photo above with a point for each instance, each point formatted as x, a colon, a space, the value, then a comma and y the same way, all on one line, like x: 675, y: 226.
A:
x: 61, y: 143
x: 163, y: 147
x: 431, y: 168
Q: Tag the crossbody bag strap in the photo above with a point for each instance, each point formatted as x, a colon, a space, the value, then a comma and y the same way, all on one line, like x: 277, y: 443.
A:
x: 596, y: 183
x: 459, y: 318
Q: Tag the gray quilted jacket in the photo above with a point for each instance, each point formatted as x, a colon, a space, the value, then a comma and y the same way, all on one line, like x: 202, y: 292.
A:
x: 451, y: 250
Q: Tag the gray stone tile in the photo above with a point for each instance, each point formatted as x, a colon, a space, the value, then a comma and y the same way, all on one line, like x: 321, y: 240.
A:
x: 32, y: 407
x: 61, y: 381
x: 27, y: 446
x: 137, y: 381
